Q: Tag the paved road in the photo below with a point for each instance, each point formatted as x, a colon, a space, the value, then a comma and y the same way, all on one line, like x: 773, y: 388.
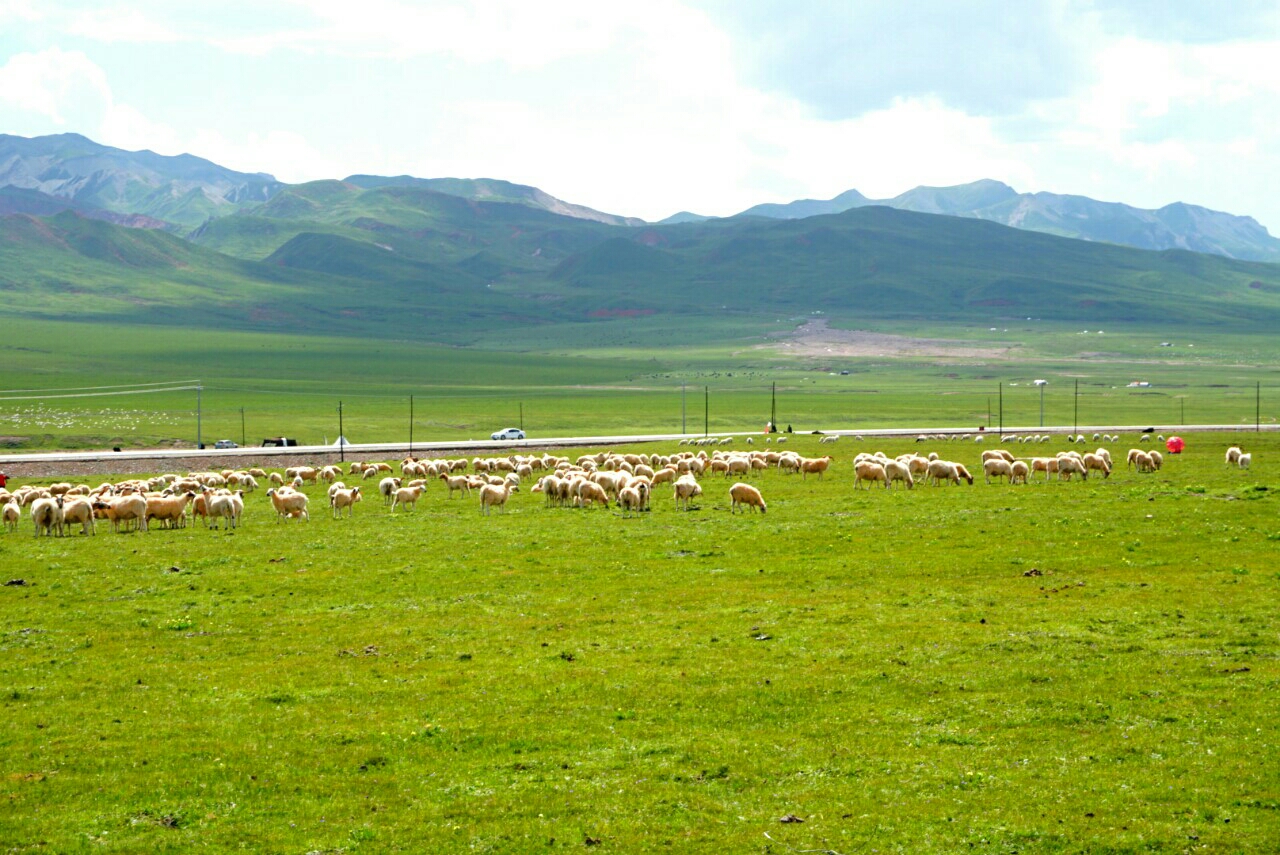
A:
x: 475, y: 446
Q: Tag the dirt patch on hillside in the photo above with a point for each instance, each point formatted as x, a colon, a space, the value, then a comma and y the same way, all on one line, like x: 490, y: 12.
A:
x: 816, y: 340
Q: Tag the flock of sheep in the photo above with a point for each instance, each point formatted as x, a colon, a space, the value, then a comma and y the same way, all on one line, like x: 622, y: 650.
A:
x: 594, y: 480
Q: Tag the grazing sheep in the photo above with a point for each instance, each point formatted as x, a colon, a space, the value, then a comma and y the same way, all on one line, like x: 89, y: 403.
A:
x: 226, y: 506
x: 46, y: 513
x: 406, y: 496
x: 1245, y: 460
x: 586, y: 492
x: 1095, y: 462
x: 288, y: 503
x: 1233, y: 455
x: 1141, y: 461
x: 686, y: 488
x: 387, y: 488
x: 456, y: 484
x: 276, y: 479
x: 746, y: 495
x: 997, y: 454
x: 632, y: 497
x: 1068, y: 466
x: 1157, y: 459
x: 1146, y: 437
x: 79, y: 510
x: 897, y: 470
x: 344, y: 498
x: 170, y: 510
x: 1134, y: 455
x: 997, y: 467
x: 869, y: 470
x: 12, y: 512
x: 122, y: 509
x: 940, y: 470
x: 817, y: 464
x: 1018, y: 471
x: 308, y: 474
x: 493, y: 495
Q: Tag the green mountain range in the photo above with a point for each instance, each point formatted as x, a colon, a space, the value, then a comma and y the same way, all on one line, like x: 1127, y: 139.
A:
x: 1175, y: 226
x: 411, y: 262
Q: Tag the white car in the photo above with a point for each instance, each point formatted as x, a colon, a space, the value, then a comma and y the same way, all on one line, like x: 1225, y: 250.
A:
x: 509, y: 433
x: 225, y: 443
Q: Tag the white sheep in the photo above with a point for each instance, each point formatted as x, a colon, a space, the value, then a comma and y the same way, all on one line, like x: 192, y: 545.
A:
x: 387, y: 488
x: 897, y: 470
x: 997, y: 467
x: 288, y: 503
x: 686, y: 488
x: 494, y: 495
x: 1233, y: 455
x: 226, y: 506
x: 406, y: 497
x: 633, y: 497
x: 869, y: 471
x: 79, y: 510
x: 46, y: 513
x: 12, y: 513
x: 1245, y: 460
x: 344, y: 498
x: 746, y: 495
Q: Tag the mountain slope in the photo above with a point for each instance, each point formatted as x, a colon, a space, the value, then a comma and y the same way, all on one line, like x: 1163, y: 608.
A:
x: 406, y: 262
x: 493, y: 190
x: 182, y: 190
x: 1176, y: 226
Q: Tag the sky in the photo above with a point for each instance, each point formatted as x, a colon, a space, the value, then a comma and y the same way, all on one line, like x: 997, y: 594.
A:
x: 646, y: 109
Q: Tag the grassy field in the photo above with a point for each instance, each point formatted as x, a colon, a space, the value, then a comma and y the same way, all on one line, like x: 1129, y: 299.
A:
x: 1060, y: 667
x: 292, y: 385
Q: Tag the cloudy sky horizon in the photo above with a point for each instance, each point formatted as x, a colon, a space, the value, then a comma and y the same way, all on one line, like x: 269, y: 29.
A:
x: 703, y: 105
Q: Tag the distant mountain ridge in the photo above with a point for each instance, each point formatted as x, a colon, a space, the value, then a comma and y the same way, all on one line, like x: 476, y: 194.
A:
x: 1175, y: 226
x: 181, y: 190
x: 494, y: 190
x: 185, y: 194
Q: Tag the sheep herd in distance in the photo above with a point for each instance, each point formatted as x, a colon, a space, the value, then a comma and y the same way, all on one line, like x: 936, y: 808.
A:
x: 628, y: 480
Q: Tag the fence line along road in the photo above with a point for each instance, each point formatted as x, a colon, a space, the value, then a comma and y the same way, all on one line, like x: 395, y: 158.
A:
x: 470, y: 446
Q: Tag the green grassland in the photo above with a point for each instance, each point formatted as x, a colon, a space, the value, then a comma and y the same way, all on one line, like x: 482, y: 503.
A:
x: 1060, y: 667
x: 292, y: 385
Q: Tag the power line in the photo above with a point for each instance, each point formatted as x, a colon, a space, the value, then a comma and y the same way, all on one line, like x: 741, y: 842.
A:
x: 97, y: 394
x: 95, y: 388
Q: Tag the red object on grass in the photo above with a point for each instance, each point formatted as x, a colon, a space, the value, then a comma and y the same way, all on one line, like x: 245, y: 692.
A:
x: 1175, y: 444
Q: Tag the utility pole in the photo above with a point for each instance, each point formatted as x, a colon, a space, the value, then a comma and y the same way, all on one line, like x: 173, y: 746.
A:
x: 706, y: 410
x: 242, y: 438
x: 1042, y: 385
x: 199, y: 417
x: 411, y: 426
x: 522, y: 415
x: 1182, y: 410
x: 1076, y: 418
x: 773, y: 409
x: 684, y: 428
x: 1001, y: 390
x: 1257, y: 412
x: 342, y: 440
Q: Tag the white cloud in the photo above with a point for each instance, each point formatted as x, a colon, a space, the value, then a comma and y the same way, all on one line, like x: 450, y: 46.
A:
x: 54, y: 84
x: 517, y: 34
x: 119, y: 24
x: 290, y: 157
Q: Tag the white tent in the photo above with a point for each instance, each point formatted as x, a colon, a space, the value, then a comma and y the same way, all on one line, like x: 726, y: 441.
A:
x: 342, y: 441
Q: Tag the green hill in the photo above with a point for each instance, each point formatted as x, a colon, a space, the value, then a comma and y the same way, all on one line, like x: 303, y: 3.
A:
x: 408, y: 262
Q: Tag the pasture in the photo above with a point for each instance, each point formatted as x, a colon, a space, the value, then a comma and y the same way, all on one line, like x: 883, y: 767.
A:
x: 258, y: 385
x: 1057, y: 667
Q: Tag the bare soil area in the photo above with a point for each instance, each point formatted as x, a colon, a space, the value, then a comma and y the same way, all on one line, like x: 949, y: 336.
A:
x: 816, y: 340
